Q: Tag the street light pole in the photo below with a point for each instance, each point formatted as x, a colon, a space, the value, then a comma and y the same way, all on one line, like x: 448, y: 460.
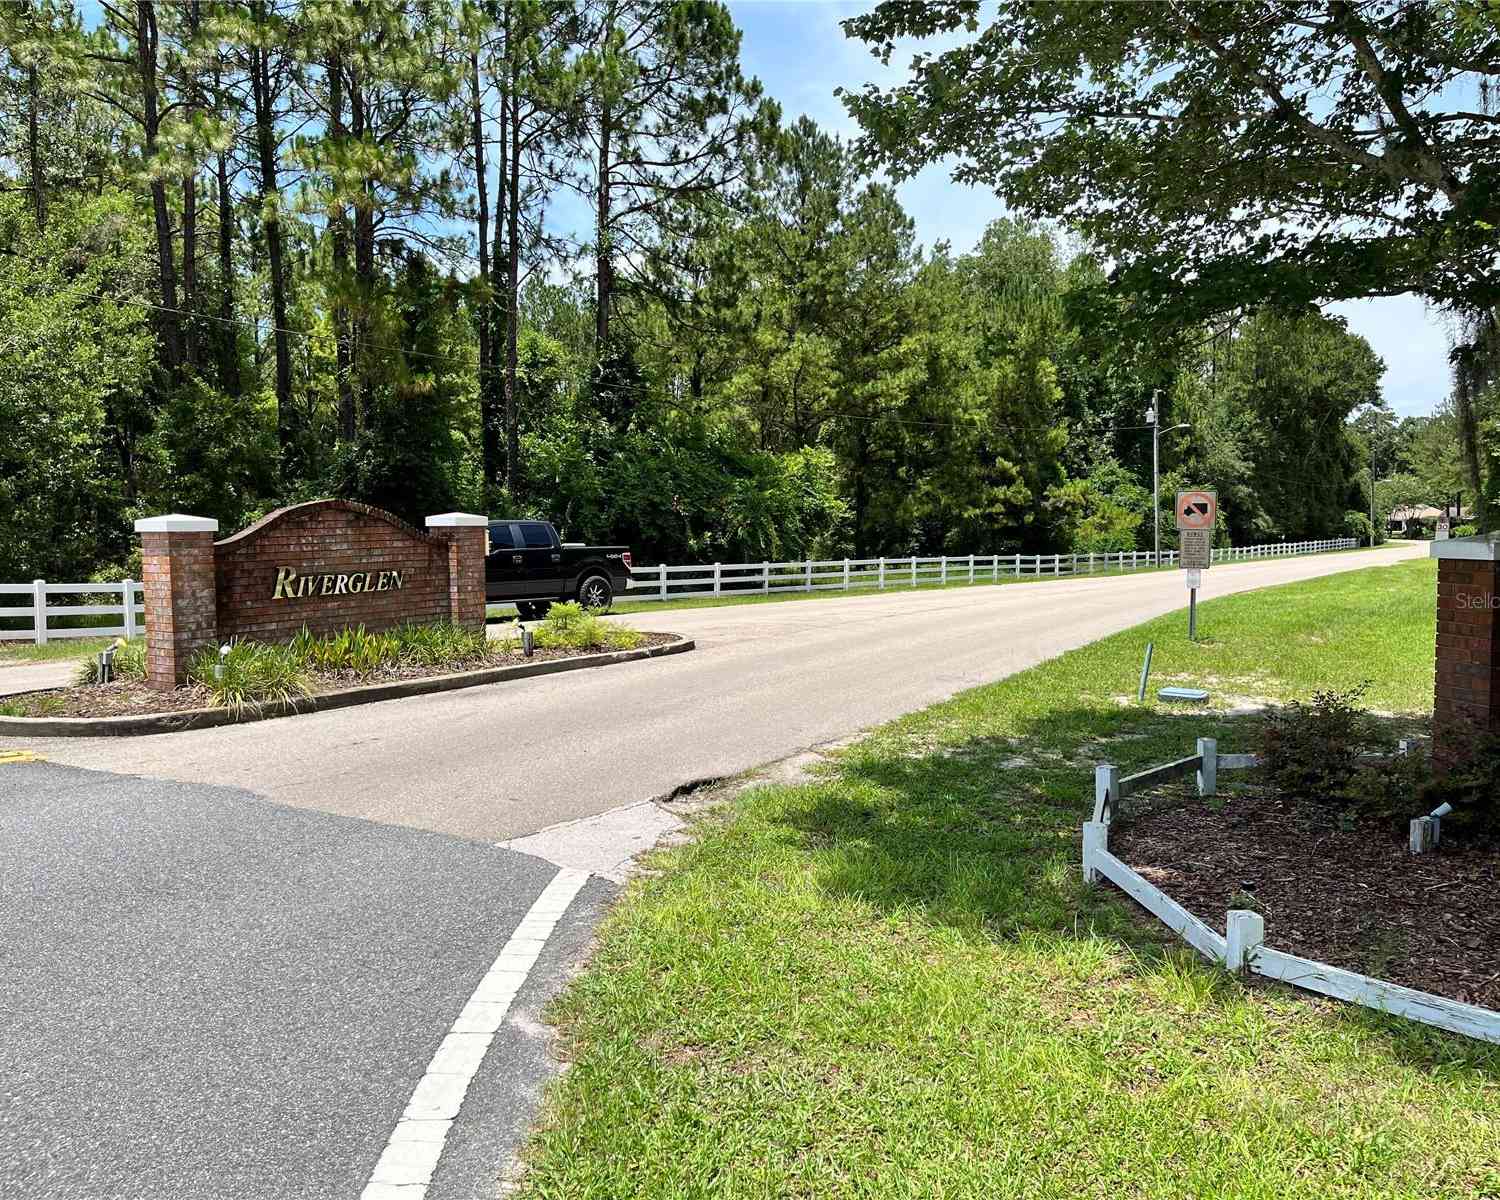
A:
x: 1153, y: 417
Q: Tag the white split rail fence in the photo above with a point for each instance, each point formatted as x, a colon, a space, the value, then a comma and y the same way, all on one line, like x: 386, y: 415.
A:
x: 672, y: 582
x: 127, y: 603
x: 1241, y: 947
x: 666, y: 582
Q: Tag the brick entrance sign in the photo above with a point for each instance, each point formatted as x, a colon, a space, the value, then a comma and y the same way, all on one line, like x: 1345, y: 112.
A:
x: 1468, y: 650
x: 326, y: 565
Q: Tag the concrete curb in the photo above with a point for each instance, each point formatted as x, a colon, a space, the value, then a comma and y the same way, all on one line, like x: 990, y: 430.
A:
x: 204, y: 718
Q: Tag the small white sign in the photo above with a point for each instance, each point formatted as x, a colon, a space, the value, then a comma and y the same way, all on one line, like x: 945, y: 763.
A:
x: 1194, y: 578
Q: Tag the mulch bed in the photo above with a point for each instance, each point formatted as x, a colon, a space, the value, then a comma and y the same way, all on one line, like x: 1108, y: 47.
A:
x: 133, y: 698
x: 1356, y: 898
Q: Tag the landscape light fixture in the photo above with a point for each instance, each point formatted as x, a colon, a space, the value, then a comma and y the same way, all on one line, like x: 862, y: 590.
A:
x: 219, y: 666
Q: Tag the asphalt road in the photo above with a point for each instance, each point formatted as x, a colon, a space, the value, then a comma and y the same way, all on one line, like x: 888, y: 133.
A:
x: 766, y: 681
x: 205, y: 995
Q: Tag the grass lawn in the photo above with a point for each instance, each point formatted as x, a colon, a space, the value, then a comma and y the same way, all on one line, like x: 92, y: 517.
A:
x: 12, y: 653
x: 623, y: 606
x: 892, y: 982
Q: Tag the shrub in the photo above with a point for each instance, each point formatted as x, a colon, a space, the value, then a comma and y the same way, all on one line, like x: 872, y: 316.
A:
x: 1464, y: 531
x: 354, y: 649
x: 1311, y: 751
x: 129, y: 663
x: 253, y: 674
x: 364, y: 653
x: 570, y: 626
x: 441, y: 644
x: 1471, y: 783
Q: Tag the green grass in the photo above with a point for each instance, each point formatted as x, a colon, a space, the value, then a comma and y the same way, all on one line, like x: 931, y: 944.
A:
x: 503, y: 612
x: 892, y: 982
x: 13, y: 653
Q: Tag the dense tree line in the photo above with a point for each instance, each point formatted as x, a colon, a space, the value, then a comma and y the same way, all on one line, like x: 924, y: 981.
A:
x: 262, y: 250
x: 1228, y: 156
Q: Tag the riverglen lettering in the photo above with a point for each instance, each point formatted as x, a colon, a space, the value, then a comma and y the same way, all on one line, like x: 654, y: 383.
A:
x: 292, y: 586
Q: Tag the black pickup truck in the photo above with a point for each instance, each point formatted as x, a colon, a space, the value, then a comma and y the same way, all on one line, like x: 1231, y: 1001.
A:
x: 529, y: 564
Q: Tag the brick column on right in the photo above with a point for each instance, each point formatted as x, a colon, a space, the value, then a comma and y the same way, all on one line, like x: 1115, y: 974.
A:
x: 467, y: 535
x: 177, y: 570
x: 1467, y: 685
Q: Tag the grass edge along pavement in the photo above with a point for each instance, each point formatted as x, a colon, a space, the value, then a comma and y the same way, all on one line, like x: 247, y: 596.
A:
x: 625, y: 606
x: 890, y: 980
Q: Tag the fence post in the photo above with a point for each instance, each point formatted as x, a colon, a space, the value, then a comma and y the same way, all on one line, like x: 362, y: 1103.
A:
x: 943, y: 574
x: 718, y: 579
x: 846, y: 574
x: 1057, y: 565
x: 1106, y: 792
x: 1036, y: 565
x: 1244, y: 933
x: 914, y: 570
x: 1208, y: 773
x: 765, y: 579
x: 1018, y: 564
x: 39, y: 611
x: 995, y: 568
x: 1095, y: 841
x: 882, y: 574
x: 661, y: 574
x: 807, y: 580
x: 127, y: 588
x: 971, y: 568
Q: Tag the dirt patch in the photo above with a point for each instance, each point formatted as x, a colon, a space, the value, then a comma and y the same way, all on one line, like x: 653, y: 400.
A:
x: 133, y: 698
x: 1354, y: 897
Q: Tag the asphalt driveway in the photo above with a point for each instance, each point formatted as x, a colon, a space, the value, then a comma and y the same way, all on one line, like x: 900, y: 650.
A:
x: 206, y: 995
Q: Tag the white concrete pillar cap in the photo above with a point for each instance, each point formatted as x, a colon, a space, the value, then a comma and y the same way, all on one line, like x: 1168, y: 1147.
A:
x: 1479, y: 547
x: 177, y: 523
x: 449, y: 520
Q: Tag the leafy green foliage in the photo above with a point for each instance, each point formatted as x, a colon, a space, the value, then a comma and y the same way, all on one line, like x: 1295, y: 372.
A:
x: 1310, y: 750
x: 129, y: 662
x: 251, y: 674
x: 764, y: 364
x: 570, y: 626
x: 365, y: 653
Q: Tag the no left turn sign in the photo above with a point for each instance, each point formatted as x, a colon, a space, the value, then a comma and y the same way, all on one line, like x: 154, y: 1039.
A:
x: 1196, y: 510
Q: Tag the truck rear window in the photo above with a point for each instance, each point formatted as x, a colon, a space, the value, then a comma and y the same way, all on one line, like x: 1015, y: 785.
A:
x: 536, y: 534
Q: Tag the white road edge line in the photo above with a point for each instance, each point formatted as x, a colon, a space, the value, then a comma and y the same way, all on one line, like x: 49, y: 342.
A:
x: 411, y: 1154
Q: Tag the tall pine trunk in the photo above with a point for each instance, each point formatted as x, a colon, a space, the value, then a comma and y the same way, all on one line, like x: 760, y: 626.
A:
x: 229, y: 342
x: 169, y: 324
x: 513, y: 291
x: 287, y: 432
x: 339, y: 229
x: 190, y: 265
x: 190, y: 214
x: 34, y: 150
x: 603, y: 263
x: 489, y: 414
x: 364, y: 253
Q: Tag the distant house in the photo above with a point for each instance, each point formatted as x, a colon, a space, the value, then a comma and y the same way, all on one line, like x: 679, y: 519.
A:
x: 1420, y: 520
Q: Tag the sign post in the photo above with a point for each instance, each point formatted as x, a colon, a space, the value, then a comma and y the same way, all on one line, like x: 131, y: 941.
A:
x: 1196, y: 512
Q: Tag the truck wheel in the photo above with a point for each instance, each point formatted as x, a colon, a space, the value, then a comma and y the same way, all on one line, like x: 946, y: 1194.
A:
x: 596, y: 593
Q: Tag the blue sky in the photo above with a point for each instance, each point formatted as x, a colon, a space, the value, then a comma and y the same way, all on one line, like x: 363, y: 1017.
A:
x: 799, y: 52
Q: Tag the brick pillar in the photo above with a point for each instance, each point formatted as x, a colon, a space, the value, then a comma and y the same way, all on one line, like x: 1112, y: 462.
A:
x: 1468, y: 652
x: 467, y: 536
x: 177, y: 567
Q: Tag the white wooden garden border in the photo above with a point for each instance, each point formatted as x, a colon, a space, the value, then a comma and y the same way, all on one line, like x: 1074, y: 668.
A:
x: 1242, y: 946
